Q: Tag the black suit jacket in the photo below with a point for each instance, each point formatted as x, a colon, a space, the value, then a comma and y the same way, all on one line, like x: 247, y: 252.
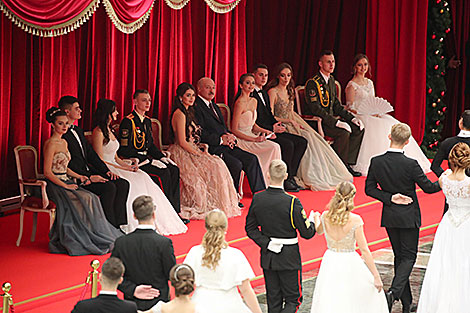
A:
x: 395, y: 173
x: 88, y: 164
x: 280, y: 215
x: 265, y: 117
x: 213, y: 126
x: 443, y: 153
x: 148, y: 258
x: 105, y: 304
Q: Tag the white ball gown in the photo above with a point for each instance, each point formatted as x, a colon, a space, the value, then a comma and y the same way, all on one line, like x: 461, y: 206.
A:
x: 216, y: 290
x: 167, y: 222
x: 446, y: 285
x: 344, y: 283
x: 376, y: 131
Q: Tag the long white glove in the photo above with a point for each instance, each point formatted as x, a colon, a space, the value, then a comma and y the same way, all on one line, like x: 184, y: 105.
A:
x: 275, y: 247
x: 344, y: 125
x: 168, y: 161
x: 158, y: 164
x: 358, y: 122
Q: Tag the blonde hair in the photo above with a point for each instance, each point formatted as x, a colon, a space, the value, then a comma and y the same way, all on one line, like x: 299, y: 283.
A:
x: 342, y: 203
x: 214, y: 238
x: 277, y: 171
x: 400, y: 133
x: 459, y: 156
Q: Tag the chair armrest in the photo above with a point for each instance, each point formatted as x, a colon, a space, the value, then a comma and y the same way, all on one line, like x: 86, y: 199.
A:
x: 308, y: 117
x: 42, y: 184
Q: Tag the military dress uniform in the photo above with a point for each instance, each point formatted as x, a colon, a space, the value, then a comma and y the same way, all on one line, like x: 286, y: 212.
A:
x: 322, y: 101
x: 137, y: 142
x: 280, y: 216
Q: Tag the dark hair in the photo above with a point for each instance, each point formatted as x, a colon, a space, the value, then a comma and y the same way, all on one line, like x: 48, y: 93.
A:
x: 459, y: 156
x: 104, y: 109
x: 240, y: 81
x: 466, y: 119
x: 275, y: 80
x: 258, y: 66
x: 182, y: 279
x: 65, y: 103
x: 177, y: 104
x: 53, y: 113
x: 356, y: 59
x: 325, y: 52
x: 112, y: 269
x: 143, y: 207
x: 138, y: 92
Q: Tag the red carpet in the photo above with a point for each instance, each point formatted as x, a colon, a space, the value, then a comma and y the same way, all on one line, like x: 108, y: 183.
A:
x: 33, y: 271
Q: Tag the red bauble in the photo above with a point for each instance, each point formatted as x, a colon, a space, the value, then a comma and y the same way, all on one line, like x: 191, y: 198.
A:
x: 433, y: 36
x: 442, y: 93
x: 444, y: 109
x: 429, y: 90
x: 438, y: 1
x: 438, y: 122
x: 447, y: 30
x: 442, y: 73
x: 436, y: 67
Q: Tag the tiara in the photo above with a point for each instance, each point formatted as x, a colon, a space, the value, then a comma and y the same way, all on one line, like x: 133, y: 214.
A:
x: 54, y: 112
x: 178, y: 268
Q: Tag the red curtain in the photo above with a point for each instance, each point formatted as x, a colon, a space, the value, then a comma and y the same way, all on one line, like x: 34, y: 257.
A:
x: 396, y: 47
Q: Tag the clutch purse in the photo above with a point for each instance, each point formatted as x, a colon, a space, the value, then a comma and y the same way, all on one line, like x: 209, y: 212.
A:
x: 374, y: 106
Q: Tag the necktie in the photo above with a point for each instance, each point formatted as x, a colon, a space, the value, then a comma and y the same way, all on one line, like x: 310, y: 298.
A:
x: 211, y: 104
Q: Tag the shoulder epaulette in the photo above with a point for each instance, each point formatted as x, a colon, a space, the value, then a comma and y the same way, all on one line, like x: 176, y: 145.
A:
x: 130, y: 116
x: 316, y: 77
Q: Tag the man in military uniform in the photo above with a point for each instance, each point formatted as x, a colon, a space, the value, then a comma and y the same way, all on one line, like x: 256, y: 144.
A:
x: 280, y: 216
x: 321, y: 100
x: 135, y: 133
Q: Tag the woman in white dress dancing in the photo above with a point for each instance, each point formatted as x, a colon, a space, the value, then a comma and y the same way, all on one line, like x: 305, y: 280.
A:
x: 446, y: 283
x: 106, y: 145
x: 346, y: 283
x: 359, y: 92
x: 219, y: 270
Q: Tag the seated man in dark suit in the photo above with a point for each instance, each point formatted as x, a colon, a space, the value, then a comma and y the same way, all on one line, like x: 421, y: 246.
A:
x: 107, y: 301
x: 447, y: 145
x: 112, y: 190
x: 147, y: 256
x: 221, y: 142
x: 292, y: 146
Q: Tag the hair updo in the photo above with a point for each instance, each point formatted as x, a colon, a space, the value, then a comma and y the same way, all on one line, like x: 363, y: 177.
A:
x: 342, y: 203
x: 53, y: 113
x: 182, y: 279
x: 214, y: 238
x: 459, y: 156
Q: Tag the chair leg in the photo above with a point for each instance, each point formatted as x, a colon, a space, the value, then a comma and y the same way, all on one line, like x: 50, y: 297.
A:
x: 21, y: 227
x: 35, y: 223
x: 240, y: 188
x: 51, y: 219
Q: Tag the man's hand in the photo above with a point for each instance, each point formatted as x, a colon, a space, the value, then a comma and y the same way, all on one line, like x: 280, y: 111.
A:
x: 146, y: 292
x: 226, y: 140
x: 168, y: 161
x: 112, y: 176
x: 398, y: 198
x: 279, y: 128
x: 358, y: 122
x: 344, y: 125
x: 98, y: 179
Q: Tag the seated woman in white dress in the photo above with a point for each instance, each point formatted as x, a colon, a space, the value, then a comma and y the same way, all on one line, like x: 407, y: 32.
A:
x: 106, y: 145
x: 182, y: 281
x: 219, y: 270
x: 251, y: 137
x: 346, y: 282
x: 362, y: 102
x: 446, y: 283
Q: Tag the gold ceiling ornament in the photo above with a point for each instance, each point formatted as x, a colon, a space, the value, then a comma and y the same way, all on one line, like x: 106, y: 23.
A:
x: 56, y: 30
x: 221, y: 8
x: 123, y: 27
x: 176, y: 4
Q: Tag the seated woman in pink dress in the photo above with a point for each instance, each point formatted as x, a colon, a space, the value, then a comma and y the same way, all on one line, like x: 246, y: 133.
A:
x: 251, y: 137
x: 206, y: 183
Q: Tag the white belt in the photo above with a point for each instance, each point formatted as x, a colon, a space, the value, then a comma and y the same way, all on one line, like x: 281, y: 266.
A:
x: 275, y: 244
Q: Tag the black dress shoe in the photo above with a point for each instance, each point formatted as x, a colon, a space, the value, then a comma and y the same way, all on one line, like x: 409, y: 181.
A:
x: 290, y: 186
x: 412, y: 308
x: 240, y: 205
x: 185, y: 220
x: 390, y: 299
x: 353, y: 172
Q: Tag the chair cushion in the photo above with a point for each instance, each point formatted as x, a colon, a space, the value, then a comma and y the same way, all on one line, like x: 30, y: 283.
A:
x: 36, y: 203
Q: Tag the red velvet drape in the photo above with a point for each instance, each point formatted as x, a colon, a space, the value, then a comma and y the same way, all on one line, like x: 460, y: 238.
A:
x: 396, y: 47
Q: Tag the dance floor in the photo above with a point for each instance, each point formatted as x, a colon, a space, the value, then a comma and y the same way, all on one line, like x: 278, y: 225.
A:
x: 44, y: 282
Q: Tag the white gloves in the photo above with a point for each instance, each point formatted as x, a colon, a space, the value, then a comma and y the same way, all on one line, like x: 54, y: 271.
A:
x: 168, y: 161
x: 344, y: 125
x: 358, y: 122
x: 158, y: 163
x: 275, y: 247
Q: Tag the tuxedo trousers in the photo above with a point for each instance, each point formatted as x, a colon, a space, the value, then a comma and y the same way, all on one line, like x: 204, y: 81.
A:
x: 237, y: 160
x: 283, y: 290
x: 405, y: 249
x: 168, y: 179
x: 346, y: 144
x: 113, y: 197
x: 292, y: 150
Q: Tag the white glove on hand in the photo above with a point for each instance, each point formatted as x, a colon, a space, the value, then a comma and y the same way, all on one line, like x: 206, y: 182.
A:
x: 158, y: 164
x: 344, y: 125
x: 358, y: 122
x: 168, y: 161
x: 275, y: 247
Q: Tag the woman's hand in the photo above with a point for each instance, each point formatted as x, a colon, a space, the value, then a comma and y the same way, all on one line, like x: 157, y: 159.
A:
x: 71, y: 186
x: 260, y: 138
x: 378, y: 283
x: 84, y: 180
x: 131, y: 167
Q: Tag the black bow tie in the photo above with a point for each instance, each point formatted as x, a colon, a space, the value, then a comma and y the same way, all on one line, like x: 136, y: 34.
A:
x: 260, y: 91
x: 72, y: 126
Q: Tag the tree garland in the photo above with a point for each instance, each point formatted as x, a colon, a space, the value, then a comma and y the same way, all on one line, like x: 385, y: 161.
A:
x: 439, y: 21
